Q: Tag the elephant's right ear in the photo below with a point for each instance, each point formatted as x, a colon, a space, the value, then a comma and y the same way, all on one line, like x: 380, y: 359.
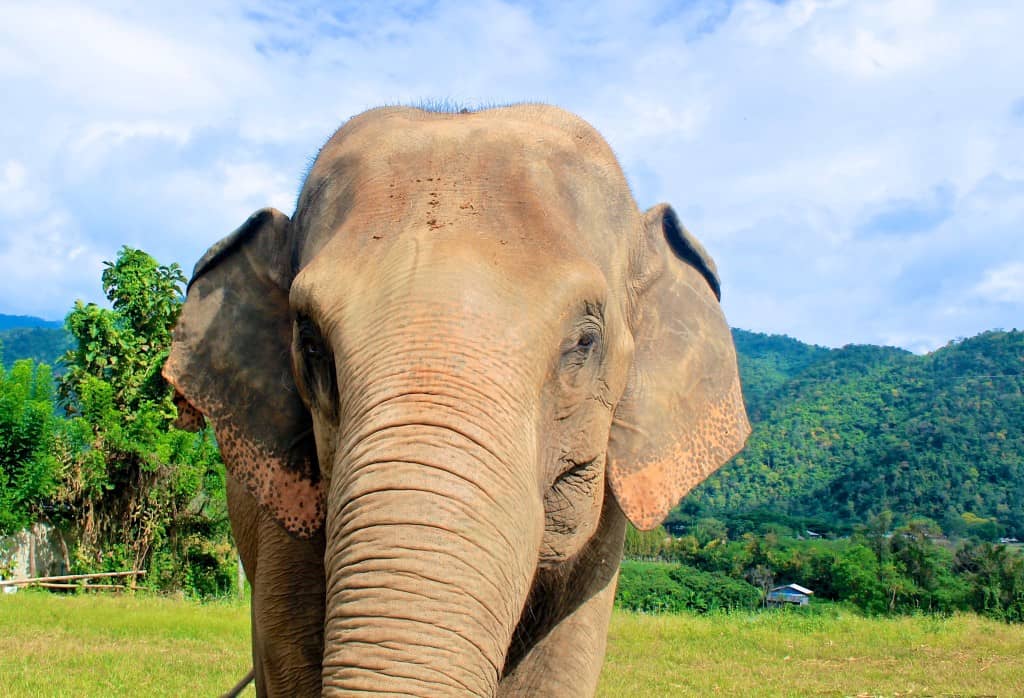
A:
x: 230, y: 362
x: 682, y: 413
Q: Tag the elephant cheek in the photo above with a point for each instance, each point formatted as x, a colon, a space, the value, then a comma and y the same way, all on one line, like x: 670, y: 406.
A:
x: 572, y: 510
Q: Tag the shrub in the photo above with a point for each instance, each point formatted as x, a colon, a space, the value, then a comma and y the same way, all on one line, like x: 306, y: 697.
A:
x: 668, y: 588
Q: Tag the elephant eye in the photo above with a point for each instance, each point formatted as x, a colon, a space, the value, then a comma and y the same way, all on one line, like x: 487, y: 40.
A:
x: 311, y: 343
x: 312, y: 348
x: 587, y: 343
x: 315, y: 373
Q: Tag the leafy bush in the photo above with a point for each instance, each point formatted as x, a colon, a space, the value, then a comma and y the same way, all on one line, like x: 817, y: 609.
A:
x: 28, y: 470
x: 139, y: 493
x: 643, y: 544
x: 667, y: 588
x: 996, y: 577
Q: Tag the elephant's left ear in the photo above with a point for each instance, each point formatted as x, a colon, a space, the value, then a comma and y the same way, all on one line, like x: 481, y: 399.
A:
x: 682, y: 414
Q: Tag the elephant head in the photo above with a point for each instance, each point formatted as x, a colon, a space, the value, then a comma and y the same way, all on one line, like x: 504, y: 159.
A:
x: 460, y: 362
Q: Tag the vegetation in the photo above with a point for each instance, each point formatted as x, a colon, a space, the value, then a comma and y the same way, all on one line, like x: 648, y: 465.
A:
x: 666, y: 588
x: 28, y: 431
x: 843, y: 435
x: 123, y: 645
x: 132, y: 491
x: 877, y: 570
x: 86, y: 645
x: 43, y: 345
x: 825, y: 652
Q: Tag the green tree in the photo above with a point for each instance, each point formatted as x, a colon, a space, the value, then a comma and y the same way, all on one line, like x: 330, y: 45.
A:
x: 141, y: 493
x: 996, y: 577
x: 28, y: 430
x: 126, y: 346
x: 856, y: 578
x: 709, y: 530
x: 643, y: 544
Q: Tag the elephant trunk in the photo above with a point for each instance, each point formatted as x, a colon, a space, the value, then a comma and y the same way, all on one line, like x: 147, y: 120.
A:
x: 432, y: 538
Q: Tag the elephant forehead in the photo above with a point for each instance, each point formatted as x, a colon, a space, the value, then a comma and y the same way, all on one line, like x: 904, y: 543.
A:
x: 478, y: 283
x: 510, y: 176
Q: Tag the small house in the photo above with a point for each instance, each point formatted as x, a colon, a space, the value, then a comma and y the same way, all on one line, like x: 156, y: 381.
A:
x: 675, y: 529
x: 789, y: 594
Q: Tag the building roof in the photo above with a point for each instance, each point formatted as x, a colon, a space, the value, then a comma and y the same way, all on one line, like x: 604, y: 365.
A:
x: 794, y: 587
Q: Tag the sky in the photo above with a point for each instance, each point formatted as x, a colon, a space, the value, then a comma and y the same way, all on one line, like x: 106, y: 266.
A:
x: 856, y: 168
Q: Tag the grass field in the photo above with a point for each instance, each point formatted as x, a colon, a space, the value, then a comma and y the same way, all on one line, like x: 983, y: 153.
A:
x: 114, y: 646
x: 792, y: 654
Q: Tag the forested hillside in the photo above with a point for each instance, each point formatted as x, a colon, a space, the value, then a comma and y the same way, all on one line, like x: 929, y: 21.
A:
x: 28, y: 337
x: 41, y: 344
x: 841, y: 435
x: 9, y: 321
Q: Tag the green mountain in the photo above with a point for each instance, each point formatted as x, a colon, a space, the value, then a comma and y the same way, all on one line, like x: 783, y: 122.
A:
x: 769, y: 361
x: 841, y: 435
x: 26, y: 337
x: 11, y: 321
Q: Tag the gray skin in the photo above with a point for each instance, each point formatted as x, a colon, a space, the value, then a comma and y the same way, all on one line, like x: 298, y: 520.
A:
x: 441, y: 388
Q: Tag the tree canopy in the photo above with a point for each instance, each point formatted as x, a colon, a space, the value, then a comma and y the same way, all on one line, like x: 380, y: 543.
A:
x: 134, y: 491
x: 842, y: 435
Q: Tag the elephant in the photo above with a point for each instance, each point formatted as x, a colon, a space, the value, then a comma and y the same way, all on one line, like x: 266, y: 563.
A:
x: 441, y: 389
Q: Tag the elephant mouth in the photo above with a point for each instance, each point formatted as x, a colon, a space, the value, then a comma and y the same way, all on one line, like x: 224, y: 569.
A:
x: 580, y: 475
x: 570, y: 505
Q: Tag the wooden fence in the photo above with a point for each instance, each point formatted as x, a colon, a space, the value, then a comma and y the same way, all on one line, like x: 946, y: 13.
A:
x: 78, y: 581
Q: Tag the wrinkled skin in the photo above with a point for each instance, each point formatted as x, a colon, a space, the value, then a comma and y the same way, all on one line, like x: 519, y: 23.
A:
x: 441, y: 388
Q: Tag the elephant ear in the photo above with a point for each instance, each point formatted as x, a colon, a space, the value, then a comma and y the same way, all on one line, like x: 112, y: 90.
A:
x: 682, y: 413
x: 229, y: 361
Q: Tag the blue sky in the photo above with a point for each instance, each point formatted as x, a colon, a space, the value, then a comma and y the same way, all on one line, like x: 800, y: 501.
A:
x: 855, y: 168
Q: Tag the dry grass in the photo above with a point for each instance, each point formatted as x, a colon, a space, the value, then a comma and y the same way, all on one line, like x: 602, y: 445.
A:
x: 109, y: 645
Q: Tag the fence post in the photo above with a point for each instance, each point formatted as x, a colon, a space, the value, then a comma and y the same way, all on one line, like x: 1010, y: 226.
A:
x: 31, y: 552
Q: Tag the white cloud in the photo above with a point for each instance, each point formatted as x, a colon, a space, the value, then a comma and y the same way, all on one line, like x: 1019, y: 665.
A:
x: 893, y: 38
x: 100, y: 140
x: 764, y: 24
x: 46, y: 265
x: 18, y: 197
x: 778, y: 130
x: 1004, y: 284
x: 115, y: 62
x: 252, y: 185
